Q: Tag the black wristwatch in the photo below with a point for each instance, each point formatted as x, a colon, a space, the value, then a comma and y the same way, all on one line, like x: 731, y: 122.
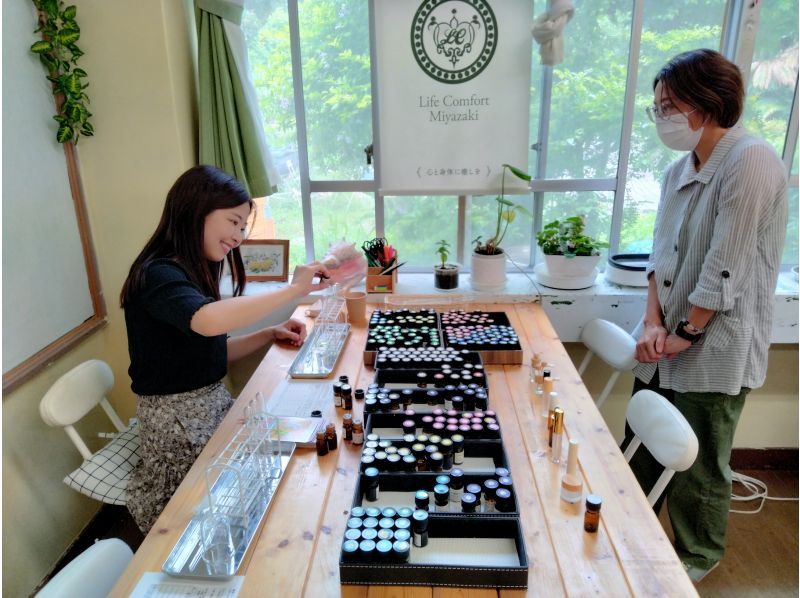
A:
x: 692, y: 335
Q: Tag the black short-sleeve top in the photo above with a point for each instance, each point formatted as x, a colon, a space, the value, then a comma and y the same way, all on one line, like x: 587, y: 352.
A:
x: 167, y: 356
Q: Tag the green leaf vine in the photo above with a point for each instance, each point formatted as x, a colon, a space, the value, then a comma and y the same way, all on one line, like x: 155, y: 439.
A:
x: 59, y: 53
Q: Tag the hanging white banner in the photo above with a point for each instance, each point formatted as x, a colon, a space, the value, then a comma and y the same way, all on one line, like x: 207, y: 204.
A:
x: 453, y: 94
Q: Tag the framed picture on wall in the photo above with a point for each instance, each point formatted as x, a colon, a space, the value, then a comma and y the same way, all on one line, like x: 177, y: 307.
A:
x: 266, y: 259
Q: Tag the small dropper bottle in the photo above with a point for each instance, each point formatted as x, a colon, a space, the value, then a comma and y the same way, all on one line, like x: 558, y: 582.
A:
x: 538, y: 378
x: 571, y: 483
x: 558, y: 434
x: 536, y: 366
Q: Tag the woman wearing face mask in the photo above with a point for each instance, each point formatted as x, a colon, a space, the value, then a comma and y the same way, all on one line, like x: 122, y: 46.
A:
x: 716, y: 253
x: 178, y: 328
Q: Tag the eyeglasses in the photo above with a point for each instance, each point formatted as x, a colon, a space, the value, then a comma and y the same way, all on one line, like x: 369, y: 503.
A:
x: 655, y: 113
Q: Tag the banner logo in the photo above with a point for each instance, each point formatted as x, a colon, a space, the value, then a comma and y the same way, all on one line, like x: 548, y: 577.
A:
x: 453, y: 40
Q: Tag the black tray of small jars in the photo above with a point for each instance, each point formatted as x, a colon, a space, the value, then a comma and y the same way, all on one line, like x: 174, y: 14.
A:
x: 398, y: 428
x: 426, y: 400
x: 405, y: 318
x: 438, y: 493
x: 489, y: 333
x: 409, y: 358
x: 430, y: 379
x: 401, y: 328
x: 494, y: 556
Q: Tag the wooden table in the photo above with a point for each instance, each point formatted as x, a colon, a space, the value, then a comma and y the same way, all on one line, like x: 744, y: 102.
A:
x: 296, y: 552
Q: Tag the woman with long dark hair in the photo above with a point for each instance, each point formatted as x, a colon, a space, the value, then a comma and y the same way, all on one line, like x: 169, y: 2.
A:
x: 178, y: 328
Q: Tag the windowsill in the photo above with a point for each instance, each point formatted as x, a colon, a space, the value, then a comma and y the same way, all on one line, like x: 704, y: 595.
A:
x: 568, y: 310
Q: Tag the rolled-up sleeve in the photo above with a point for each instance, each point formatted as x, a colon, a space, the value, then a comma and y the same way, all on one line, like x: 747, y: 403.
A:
x: 746, y: 190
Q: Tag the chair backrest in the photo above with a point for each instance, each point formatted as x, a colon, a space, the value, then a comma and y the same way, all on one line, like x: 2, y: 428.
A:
x: 74, y: 394
x: 610, y: 343
x: 659, y: 425
x: 92, y: 573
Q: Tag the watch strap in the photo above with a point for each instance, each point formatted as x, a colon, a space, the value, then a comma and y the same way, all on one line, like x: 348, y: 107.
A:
x: 682, y: 332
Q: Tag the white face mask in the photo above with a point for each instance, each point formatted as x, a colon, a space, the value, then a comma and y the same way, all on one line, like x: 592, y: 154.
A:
x: 676, y: 134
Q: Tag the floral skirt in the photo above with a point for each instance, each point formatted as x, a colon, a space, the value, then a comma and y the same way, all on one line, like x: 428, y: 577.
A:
x: 173, y: 430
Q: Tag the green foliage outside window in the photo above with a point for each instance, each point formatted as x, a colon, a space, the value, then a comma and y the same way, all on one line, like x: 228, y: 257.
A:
x: 585, y: 124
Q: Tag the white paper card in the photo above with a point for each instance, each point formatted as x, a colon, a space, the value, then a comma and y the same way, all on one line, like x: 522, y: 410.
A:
x: 161, y: 585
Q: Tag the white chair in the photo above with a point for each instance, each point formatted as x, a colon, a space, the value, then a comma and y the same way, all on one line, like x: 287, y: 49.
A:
x: 103, y: 475
x: 611, y: 344
x: 92, y: 573
x: 659, y: 425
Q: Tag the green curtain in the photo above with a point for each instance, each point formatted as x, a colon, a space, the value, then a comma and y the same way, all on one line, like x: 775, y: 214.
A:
x: 230, y: 130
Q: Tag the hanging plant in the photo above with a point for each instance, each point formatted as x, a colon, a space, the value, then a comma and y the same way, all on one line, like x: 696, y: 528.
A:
x: 59, y: 53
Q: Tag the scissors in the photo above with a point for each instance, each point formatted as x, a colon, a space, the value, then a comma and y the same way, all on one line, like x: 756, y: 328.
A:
x: 374, y: 250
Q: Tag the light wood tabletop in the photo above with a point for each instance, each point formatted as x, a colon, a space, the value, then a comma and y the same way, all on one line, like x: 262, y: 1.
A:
x: 296, y: 551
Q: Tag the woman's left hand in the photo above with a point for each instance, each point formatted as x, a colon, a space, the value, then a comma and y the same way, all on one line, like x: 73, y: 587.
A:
x: 674, y: 345
x: 293, y: 331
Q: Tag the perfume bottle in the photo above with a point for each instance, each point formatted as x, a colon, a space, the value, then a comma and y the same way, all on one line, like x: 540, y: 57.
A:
x: 571, y: 483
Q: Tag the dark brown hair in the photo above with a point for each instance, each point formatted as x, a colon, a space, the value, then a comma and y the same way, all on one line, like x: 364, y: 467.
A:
x: 707, y: 81
x: 179, y: 235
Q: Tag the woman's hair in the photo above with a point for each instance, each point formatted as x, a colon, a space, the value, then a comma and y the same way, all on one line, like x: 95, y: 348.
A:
x: 179, y: 235
x: 707, y: 81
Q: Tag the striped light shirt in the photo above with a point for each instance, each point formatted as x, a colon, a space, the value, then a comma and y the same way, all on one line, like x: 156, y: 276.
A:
x: 717, y: 244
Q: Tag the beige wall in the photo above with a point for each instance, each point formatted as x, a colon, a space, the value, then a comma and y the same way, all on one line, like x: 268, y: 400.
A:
x: 141, y: 90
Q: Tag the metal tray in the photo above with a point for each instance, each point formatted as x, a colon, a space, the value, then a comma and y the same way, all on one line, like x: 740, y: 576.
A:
x: 318, y: 356
x: 186, y: 558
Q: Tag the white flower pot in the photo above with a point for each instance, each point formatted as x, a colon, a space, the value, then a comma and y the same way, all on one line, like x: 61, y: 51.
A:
x: 581, y: 265
x: 488, y: 272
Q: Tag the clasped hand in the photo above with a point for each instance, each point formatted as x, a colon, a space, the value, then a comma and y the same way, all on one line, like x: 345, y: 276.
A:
x: 655, y: 343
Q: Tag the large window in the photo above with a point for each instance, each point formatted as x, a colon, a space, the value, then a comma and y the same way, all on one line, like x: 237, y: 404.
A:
x: 593, y: 149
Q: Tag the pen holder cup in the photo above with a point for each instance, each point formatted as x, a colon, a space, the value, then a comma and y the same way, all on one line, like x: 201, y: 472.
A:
x: 377, y: 283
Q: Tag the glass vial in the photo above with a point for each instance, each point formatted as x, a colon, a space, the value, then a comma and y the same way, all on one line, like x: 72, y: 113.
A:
x: 591, y: 519
x: 536, y: 366
x: 358, y: 432
x: 347, y: 427
x: 322, y: 442
x: 571, y: 483
x: 330, y: 437
x: 371, y: 484
x: 419, y: 528
x: 539, y: 379
x: 552, y: 401
x: 558, y: 434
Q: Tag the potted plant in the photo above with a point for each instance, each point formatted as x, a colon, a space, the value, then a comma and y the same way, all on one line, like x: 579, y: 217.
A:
x: 567, y: 250
x: 488, y: 257
x: 445, y: 276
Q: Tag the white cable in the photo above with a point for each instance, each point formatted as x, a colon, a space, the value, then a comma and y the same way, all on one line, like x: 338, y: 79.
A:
x: 525, y: 274
x: 757, y: 489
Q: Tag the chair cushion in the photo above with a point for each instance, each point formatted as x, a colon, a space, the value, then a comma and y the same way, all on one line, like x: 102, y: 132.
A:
x: 662, y: 429
x: 104, y: 476
x: 610, y: 343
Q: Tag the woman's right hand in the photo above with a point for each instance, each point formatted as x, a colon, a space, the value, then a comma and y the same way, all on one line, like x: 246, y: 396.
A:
x: 303, y: 278
x: 650, y: 346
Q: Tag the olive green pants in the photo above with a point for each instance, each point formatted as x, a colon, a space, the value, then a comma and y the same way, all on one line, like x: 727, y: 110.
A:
x: 699, y: 498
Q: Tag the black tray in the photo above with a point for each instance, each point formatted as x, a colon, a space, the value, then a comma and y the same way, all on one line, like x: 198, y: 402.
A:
x: 443, y: 573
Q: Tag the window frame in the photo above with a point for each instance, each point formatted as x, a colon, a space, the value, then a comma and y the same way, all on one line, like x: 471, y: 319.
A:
x: 737, y: 42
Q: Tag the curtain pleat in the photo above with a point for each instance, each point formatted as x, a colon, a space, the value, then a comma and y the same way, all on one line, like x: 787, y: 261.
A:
x: 230, y: 132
